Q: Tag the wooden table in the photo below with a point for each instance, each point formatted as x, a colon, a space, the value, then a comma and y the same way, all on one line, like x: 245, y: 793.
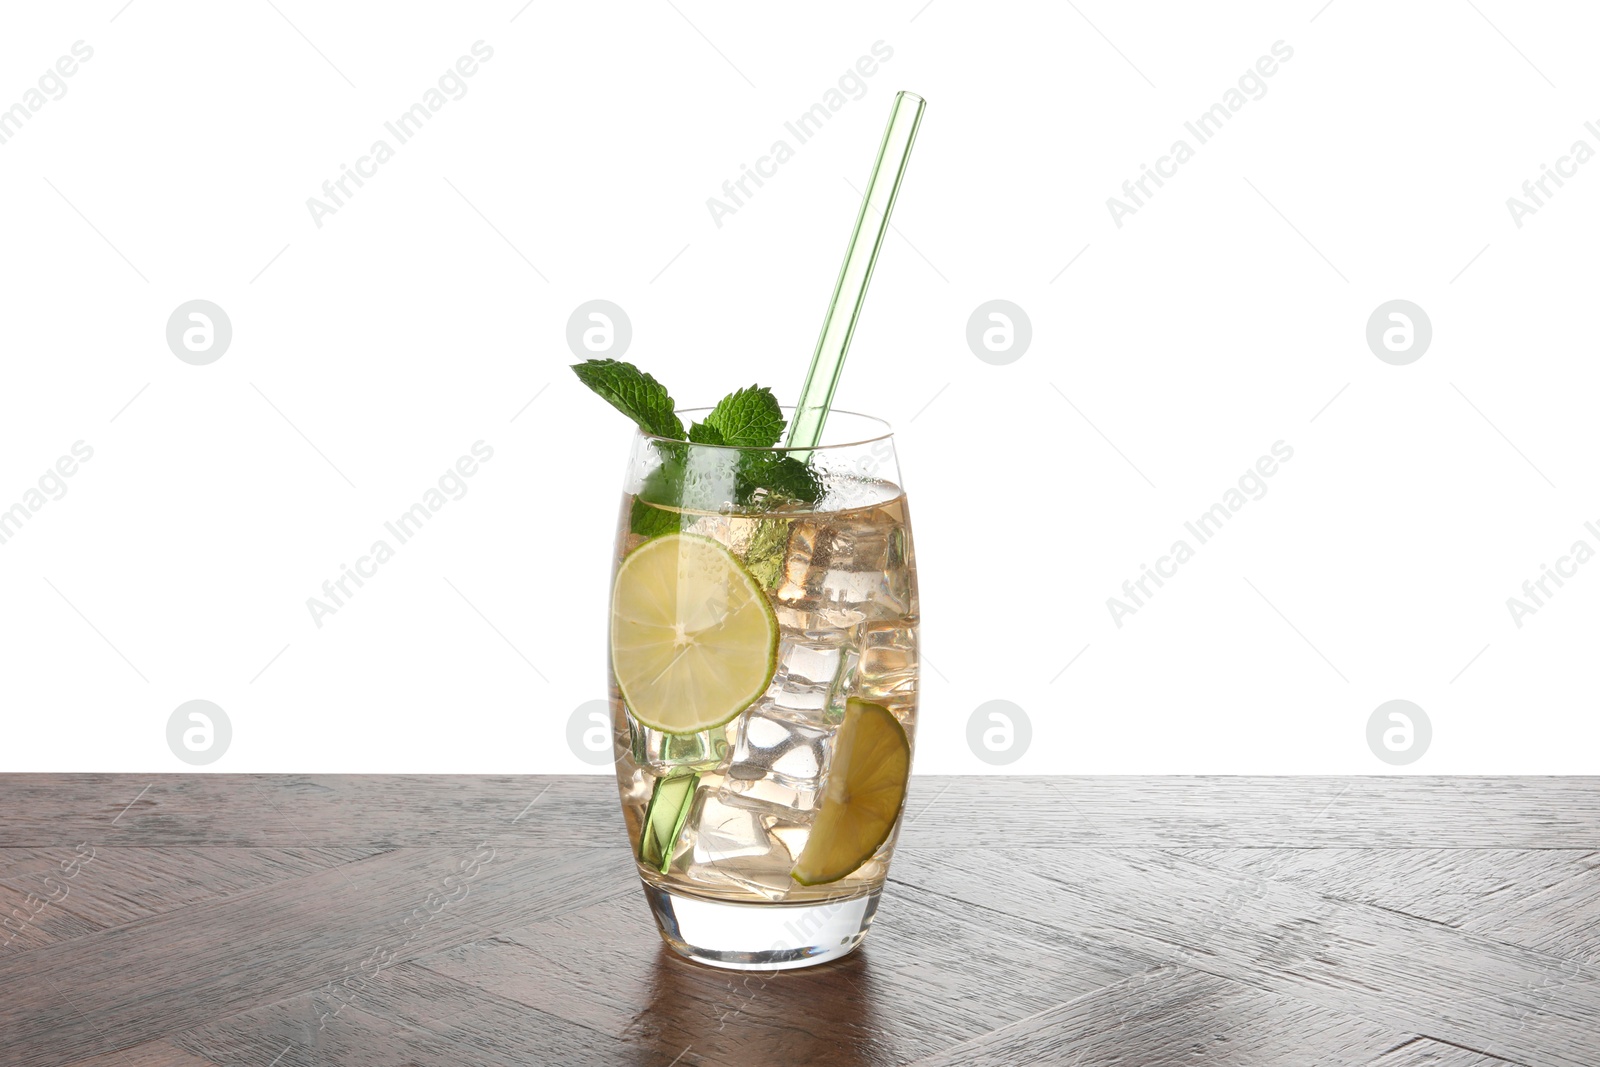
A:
x: 281, y: 921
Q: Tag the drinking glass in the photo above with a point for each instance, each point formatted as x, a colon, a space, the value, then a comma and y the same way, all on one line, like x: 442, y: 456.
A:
x: 763, y: 684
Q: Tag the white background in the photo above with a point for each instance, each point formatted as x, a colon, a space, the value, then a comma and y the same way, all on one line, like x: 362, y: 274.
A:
x: 1222, y: 317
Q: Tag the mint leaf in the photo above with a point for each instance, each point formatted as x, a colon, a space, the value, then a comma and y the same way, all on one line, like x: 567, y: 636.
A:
x: 653, y: 522
x: 770, y: 476
x: 634, y: 393
x: 767, y: 552
x: 702, y: 434
x: 745, y: 422
x: 664, y: 485
x: 745, y: 477
x: 748, y: 418
x: 694, y: 479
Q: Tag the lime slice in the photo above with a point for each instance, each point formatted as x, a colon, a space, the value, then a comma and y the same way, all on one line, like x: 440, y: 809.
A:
x: 664, y: 819
x: 861, y: 801
x: 693, y: 640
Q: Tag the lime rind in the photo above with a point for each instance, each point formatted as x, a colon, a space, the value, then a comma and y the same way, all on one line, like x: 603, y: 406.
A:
x: 886, y: 741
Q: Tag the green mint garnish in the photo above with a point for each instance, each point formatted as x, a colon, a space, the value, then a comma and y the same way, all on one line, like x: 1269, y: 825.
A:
x: 647, y: 521
x: 749, y: 418
x: 664, y: 485
x: 768, y: 550
x: 702, y: 434
x: 634, y: 393
x: 775, y: 477
x: 745, y: 419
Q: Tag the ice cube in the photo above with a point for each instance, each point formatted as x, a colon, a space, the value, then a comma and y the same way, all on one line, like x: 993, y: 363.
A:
x: 837, y: 574
x: 888, y: 670
x: 725, y: 832
x: 812, y: 670
x: 664, y: 753
x: 858, y: 557
x: 741, y: 846
x: 806, y: 548
x: 778, y: 762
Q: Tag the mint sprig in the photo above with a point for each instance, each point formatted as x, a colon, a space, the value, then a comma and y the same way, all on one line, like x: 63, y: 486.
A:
x: 634, y: 393
x: 748, y: 419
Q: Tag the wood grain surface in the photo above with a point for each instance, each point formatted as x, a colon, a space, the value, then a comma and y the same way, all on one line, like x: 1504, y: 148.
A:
x: 291, y: 921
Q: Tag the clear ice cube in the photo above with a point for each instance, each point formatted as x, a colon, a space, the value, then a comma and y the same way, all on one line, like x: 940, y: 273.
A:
x: 777, y: 761
x: 665, y: 753
x: 836, y: 574
x: 751, y: 847
x: 811, y: 676
x: 806, y: 543
x: 888, y: 670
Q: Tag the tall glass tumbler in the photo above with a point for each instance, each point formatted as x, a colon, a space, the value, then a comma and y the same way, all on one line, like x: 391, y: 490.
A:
x: 764, y: 688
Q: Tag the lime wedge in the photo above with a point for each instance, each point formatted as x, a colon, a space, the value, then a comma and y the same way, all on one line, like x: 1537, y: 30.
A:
x: 861, y: 800
x: 664, y: 819
x: 693, y: 640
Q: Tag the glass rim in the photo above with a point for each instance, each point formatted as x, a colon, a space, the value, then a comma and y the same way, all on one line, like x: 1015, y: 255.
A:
x: 886, y: 434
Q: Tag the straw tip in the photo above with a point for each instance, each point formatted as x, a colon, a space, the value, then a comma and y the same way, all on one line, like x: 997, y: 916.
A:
x: 907, y: 94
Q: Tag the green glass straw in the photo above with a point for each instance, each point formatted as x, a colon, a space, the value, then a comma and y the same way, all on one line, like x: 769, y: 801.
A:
x: 805, y: 430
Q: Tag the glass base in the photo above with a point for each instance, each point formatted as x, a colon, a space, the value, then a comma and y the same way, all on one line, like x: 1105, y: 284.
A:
x: 760, y: 937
